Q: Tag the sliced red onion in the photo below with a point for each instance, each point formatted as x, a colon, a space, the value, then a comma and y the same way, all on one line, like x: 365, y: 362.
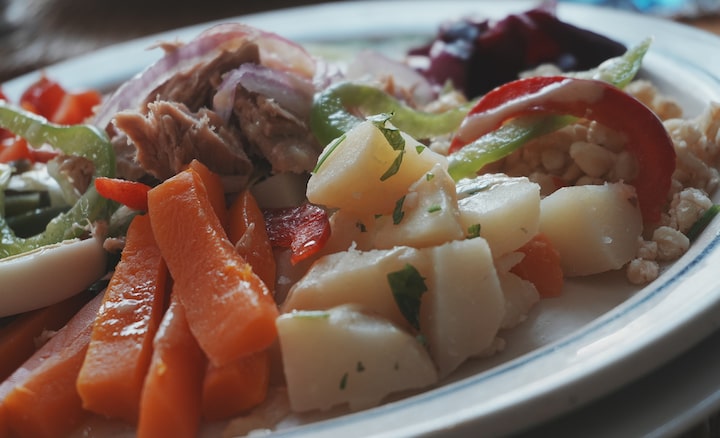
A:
x: 275, y: 51
x: 292, y: 92
x: 368, y: 63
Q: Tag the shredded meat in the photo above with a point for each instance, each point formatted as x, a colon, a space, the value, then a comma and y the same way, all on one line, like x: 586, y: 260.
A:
x: 275, y: 134
x: 195, y: 87
x: 175, y: 125
x: 169, y: 136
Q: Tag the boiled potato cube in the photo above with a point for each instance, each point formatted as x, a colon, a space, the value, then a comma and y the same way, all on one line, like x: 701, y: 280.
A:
x: 507, y: 210
x: 595, y: 228
x: 358, y: 277
x: 429, y: 214
x: 464, y: 306
x: 342, y: 355
x: 350, y: 171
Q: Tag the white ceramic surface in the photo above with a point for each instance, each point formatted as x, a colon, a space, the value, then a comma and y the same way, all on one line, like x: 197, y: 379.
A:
x: 602, y: 333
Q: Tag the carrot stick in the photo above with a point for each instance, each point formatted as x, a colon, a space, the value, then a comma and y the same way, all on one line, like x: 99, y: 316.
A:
x: 18, y: 339
x: 40, y: 398
x: 120, y: 348
x: 541, y: 266
x: 215, y: 190
x: 248, y: 233
x: 234, y: 388
x: 229, y: 309
x: 170, y: 404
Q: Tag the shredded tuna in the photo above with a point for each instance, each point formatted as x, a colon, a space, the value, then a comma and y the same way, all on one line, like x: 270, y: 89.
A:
x: 275, y: 134
x: 169, y: 136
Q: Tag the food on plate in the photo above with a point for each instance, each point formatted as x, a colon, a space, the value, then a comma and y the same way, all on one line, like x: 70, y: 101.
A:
x: 273, y: 233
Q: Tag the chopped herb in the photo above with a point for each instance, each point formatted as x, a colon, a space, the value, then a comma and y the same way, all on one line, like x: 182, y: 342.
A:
x: 396, y: 366
x: 473, y: 231
x: 703, y: 222
x: 398, y: 212
x: 378, y: 216
x: 330, y: 149
x: 429, y: 176
x: 419, y: 149
x: 360, y: 367
x: 407, y: 286
x: 392, y: 135
x: 394, y: 167
x: 394, y: 138
x: 434, y: 208
x: 343, y: 381
x: 474, y: 187
x: 361, y: 226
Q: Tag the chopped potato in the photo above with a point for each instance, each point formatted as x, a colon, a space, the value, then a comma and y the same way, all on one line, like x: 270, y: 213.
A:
x: 342, y: 355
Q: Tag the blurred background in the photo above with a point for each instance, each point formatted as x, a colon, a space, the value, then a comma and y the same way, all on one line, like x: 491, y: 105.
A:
x: 35, y: 33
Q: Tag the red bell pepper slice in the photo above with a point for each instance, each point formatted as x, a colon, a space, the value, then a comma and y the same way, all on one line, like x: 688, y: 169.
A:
x: 130, y: 193
x: 646, y: 137
x: 49, y: 99
x: 304, y: 229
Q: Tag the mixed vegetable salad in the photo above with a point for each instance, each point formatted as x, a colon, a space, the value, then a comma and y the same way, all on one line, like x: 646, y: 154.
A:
x: 245, y: 231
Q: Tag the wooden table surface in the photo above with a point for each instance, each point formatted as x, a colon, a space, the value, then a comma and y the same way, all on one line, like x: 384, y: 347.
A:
x: 40, y: 32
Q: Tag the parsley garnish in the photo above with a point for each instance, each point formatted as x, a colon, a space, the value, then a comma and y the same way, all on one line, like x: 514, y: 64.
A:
x: 407, y: 286
x: 394, y: 138
x: 398, y: 213
x: 394, y: 167
x: 343, y: 381
x: 360, y: 367
x: 473, y: 231
x: 361, y: 226
x: 429, y: 176
x: 419, y: 149
x: 434, y: 208
x: 330, y: 149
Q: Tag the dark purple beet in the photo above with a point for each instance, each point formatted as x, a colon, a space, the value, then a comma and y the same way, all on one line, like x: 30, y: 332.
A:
x: 477, y: 56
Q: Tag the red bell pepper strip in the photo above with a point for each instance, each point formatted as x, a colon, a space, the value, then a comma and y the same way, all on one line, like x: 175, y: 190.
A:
x: 49, y: 99
x: 304, y: 229
x: 130, y: 193
x: 647, y: 139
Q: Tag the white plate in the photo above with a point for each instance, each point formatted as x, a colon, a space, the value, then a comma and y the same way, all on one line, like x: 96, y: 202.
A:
x: 602, y: 333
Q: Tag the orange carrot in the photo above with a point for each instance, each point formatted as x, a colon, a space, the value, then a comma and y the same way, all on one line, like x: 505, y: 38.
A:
x: 248, y: 233
x: 229, y: 309
x: 170, y: 404
x: 541, y: 266
x: 120, y: 348
x: 235, y: 388
x: 4, y: 430
x: 18, y: 339
x: 215, y: 190
x: 40, y: 398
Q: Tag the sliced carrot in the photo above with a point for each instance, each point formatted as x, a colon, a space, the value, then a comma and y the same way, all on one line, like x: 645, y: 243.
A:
x: 235, y: 388
x: 541, y: 266
x: 170, y: 404
x: 40, y: 398
x: 215, y: 190
x: 229, y: 309
x: 248, y: 233
x: 18, y: 339
x: 111, y: 379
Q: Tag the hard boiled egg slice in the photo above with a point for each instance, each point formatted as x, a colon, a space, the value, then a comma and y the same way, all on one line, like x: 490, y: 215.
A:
x: 49, y: 274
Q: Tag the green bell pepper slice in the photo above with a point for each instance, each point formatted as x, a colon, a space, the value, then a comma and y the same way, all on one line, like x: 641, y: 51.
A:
x: 78, y: 140
x: 335, y: 111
